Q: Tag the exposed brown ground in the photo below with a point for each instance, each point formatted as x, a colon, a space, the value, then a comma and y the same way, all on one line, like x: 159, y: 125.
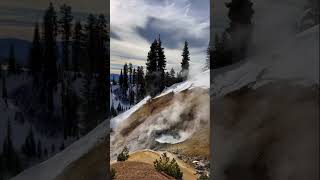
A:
x: 195, y: 96
x: 152, y: 107
x: 91, y: 166
x: 131, y: 170
x: 267, y: 133
x: 197, y: 146
x: 147, y: 157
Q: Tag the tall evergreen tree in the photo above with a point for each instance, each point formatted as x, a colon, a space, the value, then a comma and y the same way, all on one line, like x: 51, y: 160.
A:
x: 35, y: 56
x: 91, y: 41
x: 88, y: 106
x: 65, y: 29
x: 12, y: 60
x: 141, y: 88
x: 4, y: 88
x: 208, y: 52
x: 161, y: 64
x: 29, y: 147
x: 240, y: 29
x: 134, y: 76
x: 113, y: 111
x: 130, y: 69
x: 77, y: 46
x: 221, y: 54
x: 152, y: 67
x: 125, y: 80
x: 69, y: 110
x: 121, y: 79
x: 119, y: 108
x: 172, y: 77
x: 102, y: 70
x: 11, y: 159
x: 185, y: 62
x: 50, y: 31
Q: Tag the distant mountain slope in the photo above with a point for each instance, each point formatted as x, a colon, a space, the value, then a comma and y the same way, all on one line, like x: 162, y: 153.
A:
x: 21, y: 49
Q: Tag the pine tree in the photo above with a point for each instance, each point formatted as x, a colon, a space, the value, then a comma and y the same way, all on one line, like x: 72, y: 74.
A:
x: 240, y: 15
x: 125, y: 80
x: 65, y: 29
x: 161, y: 64
x: 103, y: 71
x: 185, y: 62
x: 4, y: 90
x: 208, y: 64
x: 50, y: 74
x: 172, y: 77
x: 88, y: 106
x: 121, y: 79
x: 29, y: 147
x: 77, y: 46
x: 130, y: 69
x: 134, y: 76
x: 35, y: 56
x: 12, y: 60
x: 119, y: 108
x: 221, y: 55
x: 113, y: 111
x: 131, y: 97
x: 141, y: 89
x: 151, y: 66
x: 11, y: 159
x: 114, y: 82
x: 91, y: 41
x: 69, y: 111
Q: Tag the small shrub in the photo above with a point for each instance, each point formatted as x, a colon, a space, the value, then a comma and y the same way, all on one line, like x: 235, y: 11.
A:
x: 124, y: 155
x: 203, y: 177
x: 113, y: 173
x: 169, y: 167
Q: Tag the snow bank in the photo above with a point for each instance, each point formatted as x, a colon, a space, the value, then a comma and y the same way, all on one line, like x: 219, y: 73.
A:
x: 201, y: 80
x: 120, y: 118
x: 295, y: 60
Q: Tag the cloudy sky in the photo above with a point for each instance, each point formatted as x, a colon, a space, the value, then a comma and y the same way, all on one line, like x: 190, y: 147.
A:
x: 136, y: 23
x: 17, y: 17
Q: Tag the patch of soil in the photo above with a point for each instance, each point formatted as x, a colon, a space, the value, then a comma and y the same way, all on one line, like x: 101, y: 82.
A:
x: 130, y: 170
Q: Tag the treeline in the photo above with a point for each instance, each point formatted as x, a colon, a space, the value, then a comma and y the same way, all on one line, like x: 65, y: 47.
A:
x: 84, y: 54
x: 71, y: 86
x: 136, y: 82
x: 156, y: 76
x: 232, y: 45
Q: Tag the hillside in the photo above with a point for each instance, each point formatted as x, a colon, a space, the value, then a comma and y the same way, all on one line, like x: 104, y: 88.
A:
x: 89, y: 150
x: 141, y: 167
x: 266, y: 112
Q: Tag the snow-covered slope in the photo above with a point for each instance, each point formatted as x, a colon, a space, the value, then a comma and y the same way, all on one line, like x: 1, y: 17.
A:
x: 171, y: 117
x: 201, y: 80
x: 295, y: 60
x: 51, y: 168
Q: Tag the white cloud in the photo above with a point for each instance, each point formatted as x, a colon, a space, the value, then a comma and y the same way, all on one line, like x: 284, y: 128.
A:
x: 126, y: 16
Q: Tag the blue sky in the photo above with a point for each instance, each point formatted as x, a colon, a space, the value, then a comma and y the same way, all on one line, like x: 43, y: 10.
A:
x: 136, y: 23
